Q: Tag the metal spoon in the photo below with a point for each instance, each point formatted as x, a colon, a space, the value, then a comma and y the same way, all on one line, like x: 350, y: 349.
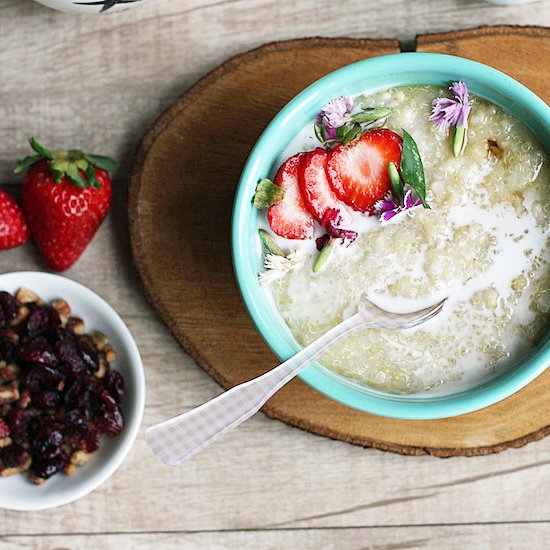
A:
x: 178, y: 439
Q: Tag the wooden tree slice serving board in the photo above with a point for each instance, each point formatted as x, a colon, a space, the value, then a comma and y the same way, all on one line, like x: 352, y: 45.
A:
x: 182, y: 186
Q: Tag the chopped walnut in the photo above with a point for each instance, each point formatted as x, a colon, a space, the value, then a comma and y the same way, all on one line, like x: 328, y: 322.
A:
x: 99, y: 340
x: 110, y: 354
x: 9, y: 393
x: 62, y: 307
x: 11, y: 470
x: 100, y: 372
x: 76, y: 325
x: 22, y: 314
x: 25, y: 400
x: 38, y: 480
x: 26, y: 296
x: 8, y: 373
x: 79, y: 458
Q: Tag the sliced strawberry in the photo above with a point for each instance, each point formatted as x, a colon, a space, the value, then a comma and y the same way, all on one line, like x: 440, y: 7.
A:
x: 289, y: 217
x: 358, y: 172
x: 316, y: 190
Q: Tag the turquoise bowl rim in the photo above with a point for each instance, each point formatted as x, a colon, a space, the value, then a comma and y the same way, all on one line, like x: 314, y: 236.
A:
x: 371, y: 74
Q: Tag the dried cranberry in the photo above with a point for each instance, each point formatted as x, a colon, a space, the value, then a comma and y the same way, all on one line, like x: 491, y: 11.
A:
x: 75, y: 419
x: 4, y: 429
x: 114, y: 383
x: 46, y: 399
x: 62, y: 406
x: 15, y: 456
x: 86, y: 439
x: 18, y: 420
x: 42, y: 319
x: 7, y: 346
x: 38, y: 351
x: 46, y: 468
x: 108, y: 418
x: 88, y: 354
x: 59, y: 333
x: 81, y: 435
x: 8, y: 309
x: 79, y: 396
x: 48, y: 439
x: 40, y: 378
x: 70, y: 357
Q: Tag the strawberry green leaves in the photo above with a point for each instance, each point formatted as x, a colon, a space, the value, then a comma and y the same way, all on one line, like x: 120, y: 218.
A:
x: 267, y: 194
x: 73, y: 165
x: 99, y: 161
x: 412, y: 169
x: 40, y: 149
x: 27, y: 162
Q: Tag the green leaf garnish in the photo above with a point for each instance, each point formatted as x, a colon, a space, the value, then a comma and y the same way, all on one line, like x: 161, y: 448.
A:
x: 372, y: 114
x: 318, y: 134
x: 269, y: 243
x: 396, y: 182
x: 341, y: 132
x: 412, y: 169
x: 352, y: 133
x: 321, y: 135
x: 267, y: 194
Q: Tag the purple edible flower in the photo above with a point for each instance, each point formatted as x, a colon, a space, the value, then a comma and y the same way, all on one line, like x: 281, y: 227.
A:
x: 331, y: 223
x: 447, y: 112
x: 388, y: 207
x: 321, y: 241
x: 334, y: 114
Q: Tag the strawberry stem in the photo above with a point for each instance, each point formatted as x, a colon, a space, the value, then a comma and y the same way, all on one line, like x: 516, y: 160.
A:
x: 73, y: 165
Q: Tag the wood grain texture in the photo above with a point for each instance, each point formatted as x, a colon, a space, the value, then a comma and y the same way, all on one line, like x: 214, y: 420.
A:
x: 522, y: 53
x: 508, y: 536
x: 61, y: 72
x: 199, y: 273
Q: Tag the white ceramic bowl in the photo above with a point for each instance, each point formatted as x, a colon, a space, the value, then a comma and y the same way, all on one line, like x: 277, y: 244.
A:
x: 92, y: 7
x: 17, y: 492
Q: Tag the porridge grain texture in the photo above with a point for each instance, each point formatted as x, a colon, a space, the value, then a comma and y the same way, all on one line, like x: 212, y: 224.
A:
x: 483, y: 243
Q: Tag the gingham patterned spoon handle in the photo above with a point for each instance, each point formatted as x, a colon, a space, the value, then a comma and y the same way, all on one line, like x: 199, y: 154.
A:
x: 178, y: 439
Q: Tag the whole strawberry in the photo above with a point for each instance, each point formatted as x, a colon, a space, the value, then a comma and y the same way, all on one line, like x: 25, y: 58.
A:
x: 66, y: 196
x: 13, y: 227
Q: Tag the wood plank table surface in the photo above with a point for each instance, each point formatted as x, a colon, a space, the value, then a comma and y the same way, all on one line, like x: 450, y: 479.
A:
x: 98, y: 83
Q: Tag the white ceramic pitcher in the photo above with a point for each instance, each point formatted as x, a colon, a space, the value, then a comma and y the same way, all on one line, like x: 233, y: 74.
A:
x: 95, y: 7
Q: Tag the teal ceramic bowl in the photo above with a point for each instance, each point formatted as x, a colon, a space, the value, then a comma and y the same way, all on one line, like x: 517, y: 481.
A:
x: 374, y: 74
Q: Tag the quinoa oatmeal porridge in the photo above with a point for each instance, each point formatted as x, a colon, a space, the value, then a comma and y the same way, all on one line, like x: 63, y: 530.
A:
x: 411, y: 208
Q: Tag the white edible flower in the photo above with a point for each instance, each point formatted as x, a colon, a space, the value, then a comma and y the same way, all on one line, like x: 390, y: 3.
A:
x: 276, y: 267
